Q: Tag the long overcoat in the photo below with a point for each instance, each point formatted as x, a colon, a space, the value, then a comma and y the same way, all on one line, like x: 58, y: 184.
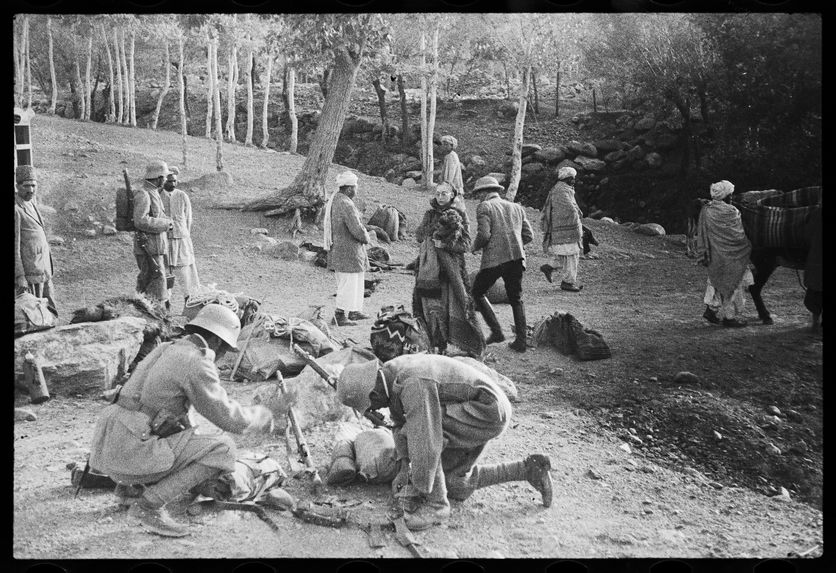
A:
x: 32, y: 255
x: 349, y: 237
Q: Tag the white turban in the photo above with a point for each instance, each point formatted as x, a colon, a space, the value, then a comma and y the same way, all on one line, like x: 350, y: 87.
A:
x: 346, y: 178
x: 451, y: 140
x: 566, y: 173
x: 721, y: 190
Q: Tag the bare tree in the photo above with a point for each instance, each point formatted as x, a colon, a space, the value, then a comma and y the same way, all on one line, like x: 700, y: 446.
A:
x: 132, y: 77
x: 219, y: 157
x: 54, y: 100
x: 181, y: 71
x: 265, y: 133
x: 111, y: 104
x: 166, y: 83
x: 289, y: 98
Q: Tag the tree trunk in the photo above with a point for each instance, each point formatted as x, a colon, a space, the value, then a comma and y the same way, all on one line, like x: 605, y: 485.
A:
x: 516, y: 157
x: 88, y: 96
x: 557, y: 93
x: 507, y: 81
x: 18, y: 36
x: 54, y: 101
x: 424, y: 126
x: 219, y: 157
x: 28, y: 68
x: 211, y: 93
x: 79, y: 92
x: 428, y: 180
x: 120, y: 108
x: 126, y: 118
x: 265, y: 134
x: 231, y: 84
x: 290, y: 105
x: 324, y: 81
x: 248, y: 139
x: 167, y: 68
x: 132, y: 76
x: 182, y: 84
x: 381, y: 102
x: 404, y: 114
x: 308, y: 189
x: 111, y: 103
x: 91, y: 111
x: 684, y: 107
x: 536, y: 95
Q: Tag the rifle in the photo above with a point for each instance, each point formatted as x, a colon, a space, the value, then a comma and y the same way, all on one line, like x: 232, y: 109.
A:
x: 304, y: 450
x: 375, y: 417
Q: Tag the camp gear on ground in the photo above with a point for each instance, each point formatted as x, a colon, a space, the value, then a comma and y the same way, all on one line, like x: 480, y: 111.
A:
x: 254, y: 476
x: 220, y: 321
x: 33, y: 314
x: 405, y: 537
x: 33, y: 377
x: 302, y: 446
x: 568, y: 335
x: 374, y: 451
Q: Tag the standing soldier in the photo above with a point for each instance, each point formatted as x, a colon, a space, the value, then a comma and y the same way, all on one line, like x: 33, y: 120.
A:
x: 503, y: 229
x: 181, y: 258
x: 345, y: 239
x: 144, y: 441
x: 33, y: 260
x: 150, y: 240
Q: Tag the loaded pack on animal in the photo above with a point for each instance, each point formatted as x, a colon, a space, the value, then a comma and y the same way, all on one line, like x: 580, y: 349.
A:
x: 784, y: 228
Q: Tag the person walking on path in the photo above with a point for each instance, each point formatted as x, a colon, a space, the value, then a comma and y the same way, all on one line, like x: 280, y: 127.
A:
x: 723, y: 247
x: 144, y: 440
x: 150, y: 239
x: 451, y: 168
x: 441, y: 297
x: 444, y: 413
x: 33, y: 257
x: 560, y: 221
x: 503, y: 230
x: 181, y: 259
x: 345, y: 239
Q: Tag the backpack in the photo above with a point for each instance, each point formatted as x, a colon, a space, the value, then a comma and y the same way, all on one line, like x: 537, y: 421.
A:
x: 124, y: 210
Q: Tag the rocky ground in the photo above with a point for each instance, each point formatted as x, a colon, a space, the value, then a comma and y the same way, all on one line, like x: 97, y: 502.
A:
x: 730, y: 466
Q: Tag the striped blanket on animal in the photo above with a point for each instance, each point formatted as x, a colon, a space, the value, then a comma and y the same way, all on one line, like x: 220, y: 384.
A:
x: 774, y: 218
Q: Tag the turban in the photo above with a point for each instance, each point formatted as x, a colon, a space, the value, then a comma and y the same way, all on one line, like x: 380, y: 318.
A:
x: 450, y: 139
x: 346, y: 178
x: 566, y: 173
x: 721, y: 190
x: 25, y: 173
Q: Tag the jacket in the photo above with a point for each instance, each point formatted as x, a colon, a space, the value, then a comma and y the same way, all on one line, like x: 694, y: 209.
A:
x: 33, y: 259
x: 560, y: 218
x: 349, y: 236
x: 431, y: 217
x: 503, y: 229
x: 427, y: 391
x: 150, y: 220
x: 173, y: 376
x: 178, y: 206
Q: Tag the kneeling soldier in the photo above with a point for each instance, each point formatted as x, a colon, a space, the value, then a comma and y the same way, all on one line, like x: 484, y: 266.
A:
x: 444, y: 412
x: 144, y: 438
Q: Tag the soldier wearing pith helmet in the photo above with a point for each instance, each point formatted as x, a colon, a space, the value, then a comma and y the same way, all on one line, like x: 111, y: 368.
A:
x: 150, y: 240
x: 144, y: 440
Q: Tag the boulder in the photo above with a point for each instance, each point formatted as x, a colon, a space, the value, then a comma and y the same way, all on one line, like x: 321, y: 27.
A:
x: 411, y: 164
x: 589, y: 150
x: 259, y: 231
x: 635, y: 153
x: 607, y: 220
x: 263, y: 242
x: 214, y: 181
x: 651, y: 229
x: 645, y: 124
x: 686, y: 378
x: 589, y: 163
x: 408, y: 182
x: 607, y: 145
x: 653, y: 159
x: 414, y: 174
x: 286, y: 251
x: 109, y: 230
x: 529, y: 148
x: 476, y: 161
x: 615, y: 155
x: 532, y: 167
x: 569, y: 163
x: 84, y: 356
x: 549, y: 155
x: 500, y: 177
x: 496, y: 294
x: 56, y: 240
x: 574, y: 148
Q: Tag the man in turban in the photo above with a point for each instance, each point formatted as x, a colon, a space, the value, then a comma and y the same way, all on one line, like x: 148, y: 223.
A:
x: 181, y: 259
x: 451, y: 169
x: 33, y: 260
x: 345, y: 239
x: 560, y: 221
x: 723, y: 247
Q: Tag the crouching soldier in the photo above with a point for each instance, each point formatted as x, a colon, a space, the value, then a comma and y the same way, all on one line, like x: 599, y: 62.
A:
x: 144, y: 438
x: 444, y: 413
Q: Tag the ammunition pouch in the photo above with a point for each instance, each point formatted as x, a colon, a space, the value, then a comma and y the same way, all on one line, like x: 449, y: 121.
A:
x: 165, y: 424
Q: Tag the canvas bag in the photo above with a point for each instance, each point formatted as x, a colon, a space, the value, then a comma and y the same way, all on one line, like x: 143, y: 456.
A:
x: 255, y: 474
x: 33, y: 314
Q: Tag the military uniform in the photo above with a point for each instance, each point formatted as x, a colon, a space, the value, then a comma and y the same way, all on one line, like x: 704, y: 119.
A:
x: 151, y: 225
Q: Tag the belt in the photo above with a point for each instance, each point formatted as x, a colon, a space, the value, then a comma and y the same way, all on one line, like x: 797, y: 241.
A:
x: 130, y: 404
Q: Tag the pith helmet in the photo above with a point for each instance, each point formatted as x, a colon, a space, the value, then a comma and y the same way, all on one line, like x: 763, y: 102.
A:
x: 355, y: 383
x: 220, y: 321
x: 156, y: 168
x: 487, y: 182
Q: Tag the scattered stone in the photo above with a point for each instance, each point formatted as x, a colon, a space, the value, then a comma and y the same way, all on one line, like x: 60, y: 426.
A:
x: 794, y: 416
x: 259, y: 231
x: 773, y: 449
x: 90, y: 232
x: 408, y: 182
x: 651, y: 229
x: 773, y: 410
x: 715, y: 485
x: 593, y: 474
x: 24, y: 415
x: 686, y: 378
x: 653, y: 379
x: 770, y: 421
x: 109, y: 230
x: 717, y: 435
x: 607, y: 220
x: 286, y: 251
x: 783, y: 494
x: 549, y: 155
x: 645, y: 124
x: 626, y: 447
x: 56, y: 240
x: 556, y: 371
x: 590, y: 163
x: 800, y: 447
x: 549, y: 415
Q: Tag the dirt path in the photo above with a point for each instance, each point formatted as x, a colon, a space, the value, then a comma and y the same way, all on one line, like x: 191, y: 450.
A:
x: 681, y: 493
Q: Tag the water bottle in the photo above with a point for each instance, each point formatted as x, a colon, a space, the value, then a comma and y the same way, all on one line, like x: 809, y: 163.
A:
x: 35, y: 382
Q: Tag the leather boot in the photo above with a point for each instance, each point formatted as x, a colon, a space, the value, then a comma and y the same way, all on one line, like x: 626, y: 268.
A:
x: 534, y: 469
x: 434, y: 509
x: 341, y: 320
x: 484, y: 306
x: 156, y: 519
x: 519, y: 327
x: 357, y: 315
x: 547, y: 270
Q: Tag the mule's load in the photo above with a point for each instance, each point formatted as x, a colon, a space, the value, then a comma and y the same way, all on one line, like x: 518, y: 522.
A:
x: 778, y: 219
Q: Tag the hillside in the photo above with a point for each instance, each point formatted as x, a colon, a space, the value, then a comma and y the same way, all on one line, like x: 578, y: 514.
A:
x: 678, y: 490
